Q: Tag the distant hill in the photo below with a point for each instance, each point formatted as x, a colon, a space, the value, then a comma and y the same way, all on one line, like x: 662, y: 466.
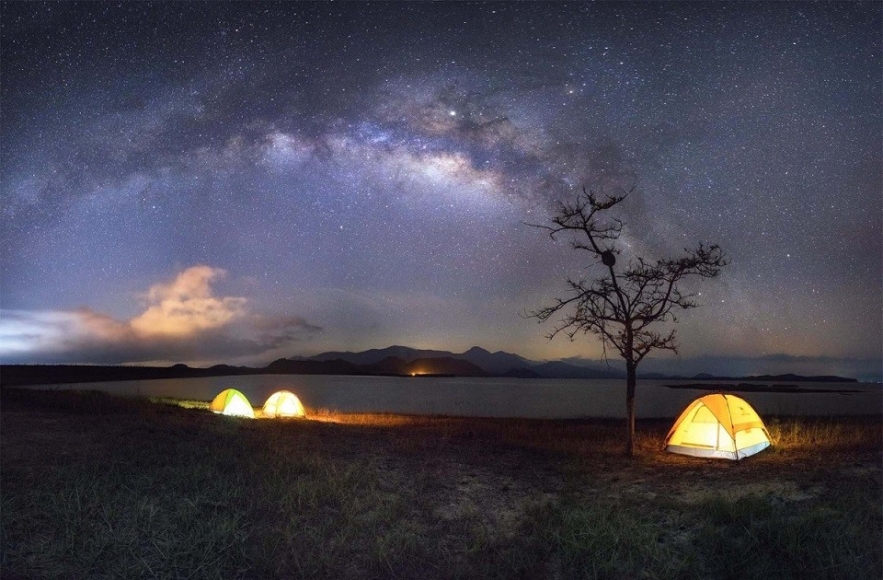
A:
x: 14, y: 375
x: 394, y: 360
x: 757, y: 387
x: 769, y: 378
x: 376, y: 355
x: 490, y: 363
x: 496, y: 363
x: 444, y: 366
x: 391, y: 365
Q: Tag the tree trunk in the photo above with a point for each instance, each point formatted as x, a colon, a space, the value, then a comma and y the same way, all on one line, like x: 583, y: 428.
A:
x: 630, y: 408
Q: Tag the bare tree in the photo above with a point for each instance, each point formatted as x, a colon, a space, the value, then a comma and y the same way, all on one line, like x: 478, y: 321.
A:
x: 621, y: 305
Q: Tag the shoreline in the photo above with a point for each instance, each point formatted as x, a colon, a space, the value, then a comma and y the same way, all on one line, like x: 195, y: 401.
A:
x: 22, y: 375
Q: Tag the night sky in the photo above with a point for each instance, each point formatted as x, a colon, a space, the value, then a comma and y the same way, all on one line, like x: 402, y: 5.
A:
x: 239, y: 182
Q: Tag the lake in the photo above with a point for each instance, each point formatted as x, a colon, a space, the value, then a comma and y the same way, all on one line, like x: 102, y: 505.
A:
x: 495, y: 397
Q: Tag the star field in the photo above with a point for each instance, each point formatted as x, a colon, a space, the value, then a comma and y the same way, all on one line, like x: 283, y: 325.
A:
x: 272, y: 179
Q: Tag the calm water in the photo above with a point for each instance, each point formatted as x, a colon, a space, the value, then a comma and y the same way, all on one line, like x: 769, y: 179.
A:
x: 497, y: 397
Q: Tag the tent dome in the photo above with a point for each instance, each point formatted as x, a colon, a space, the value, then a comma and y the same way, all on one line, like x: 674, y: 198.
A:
x: 718, y: 425
x: 283, y: 404
x: 232, y: 402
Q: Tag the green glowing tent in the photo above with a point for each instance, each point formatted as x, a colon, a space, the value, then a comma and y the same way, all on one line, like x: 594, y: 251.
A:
x: 232, y: 402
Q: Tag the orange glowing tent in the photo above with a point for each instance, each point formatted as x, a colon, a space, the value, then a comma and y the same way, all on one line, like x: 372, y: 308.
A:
x: 718, y: 425
x: 232, y: 402
x: 283, y: 404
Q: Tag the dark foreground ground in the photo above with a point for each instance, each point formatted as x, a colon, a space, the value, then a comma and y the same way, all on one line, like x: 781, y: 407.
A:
x: 95, y: 486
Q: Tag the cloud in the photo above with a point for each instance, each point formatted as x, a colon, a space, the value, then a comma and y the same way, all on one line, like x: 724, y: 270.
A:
x: 186, y: 306
x: 276, y: 332
x: 183, y: 320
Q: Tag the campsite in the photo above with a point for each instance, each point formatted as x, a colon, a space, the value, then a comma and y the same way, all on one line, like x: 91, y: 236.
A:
x: 102, y: 486
x: 441, y: 290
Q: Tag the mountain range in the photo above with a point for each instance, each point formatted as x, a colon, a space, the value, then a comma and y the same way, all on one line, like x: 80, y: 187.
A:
x: 478, y: 362
x: 390, y: 361
x: 406, y: 360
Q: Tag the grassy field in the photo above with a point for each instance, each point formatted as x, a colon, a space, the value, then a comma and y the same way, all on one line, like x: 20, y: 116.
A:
x: 95, y: 486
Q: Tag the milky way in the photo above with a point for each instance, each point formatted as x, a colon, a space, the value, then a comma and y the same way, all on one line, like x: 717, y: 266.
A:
x: 239, y: 182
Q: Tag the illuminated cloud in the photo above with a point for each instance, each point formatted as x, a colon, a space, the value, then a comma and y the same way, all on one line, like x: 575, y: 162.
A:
x: 186, y: 306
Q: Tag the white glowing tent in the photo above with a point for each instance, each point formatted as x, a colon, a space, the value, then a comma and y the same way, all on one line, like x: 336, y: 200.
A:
x: 283, y: 404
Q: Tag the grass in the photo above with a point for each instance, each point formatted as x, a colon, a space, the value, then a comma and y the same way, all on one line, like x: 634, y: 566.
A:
x: 831, y: 540
x: 830, y: 433
x: 95, y: 486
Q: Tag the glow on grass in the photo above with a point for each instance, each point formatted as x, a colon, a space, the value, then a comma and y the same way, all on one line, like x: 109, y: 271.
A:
x: 183, y: 403
x: 384, y: 419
